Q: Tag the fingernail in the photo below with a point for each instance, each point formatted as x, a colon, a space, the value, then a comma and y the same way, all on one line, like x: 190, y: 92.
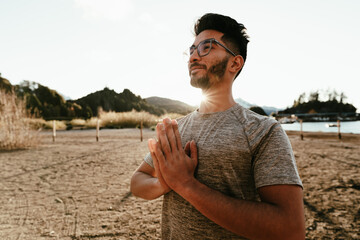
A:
x: 167, y: 120
x: 174, y: 121
x: 153, y: 143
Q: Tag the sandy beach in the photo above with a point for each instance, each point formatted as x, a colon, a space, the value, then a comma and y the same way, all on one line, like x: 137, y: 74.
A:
x: 77, y: 188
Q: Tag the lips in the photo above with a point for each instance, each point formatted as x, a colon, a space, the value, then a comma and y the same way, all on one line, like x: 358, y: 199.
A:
x: 196, y: 66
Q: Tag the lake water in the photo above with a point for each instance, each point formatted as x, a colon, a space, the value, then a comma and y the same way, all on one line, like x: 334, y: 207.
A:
x: 345, y: 127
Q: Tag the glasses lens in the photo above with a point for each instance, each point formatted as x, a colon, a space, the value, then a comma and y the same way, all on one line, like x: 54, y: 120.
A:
x: 204, y: 48
x: 191, y: 50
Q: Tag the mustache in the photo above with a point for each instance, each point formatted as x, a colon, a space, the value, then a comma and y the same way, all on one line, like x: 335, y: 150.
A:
x: 195, y: 64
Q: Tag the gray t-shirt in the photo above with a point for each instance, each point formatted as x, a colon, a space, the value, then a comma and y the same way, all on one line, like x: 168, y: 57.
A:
x: 238, y: 152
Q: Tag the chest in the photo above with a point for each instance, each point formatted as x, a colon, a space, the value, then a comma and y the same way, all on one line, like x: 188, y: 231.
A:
x: 224, y: 158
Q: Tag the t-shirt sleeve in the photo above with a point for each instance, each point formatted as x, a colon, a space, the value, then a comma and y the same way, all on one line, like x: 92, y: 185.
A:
x: 274, y: 161
x: 148, y: 159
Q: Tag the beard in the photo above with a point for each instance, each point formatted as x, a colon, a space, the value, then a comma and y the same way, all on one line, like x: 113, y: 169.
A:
x: 204, y: 82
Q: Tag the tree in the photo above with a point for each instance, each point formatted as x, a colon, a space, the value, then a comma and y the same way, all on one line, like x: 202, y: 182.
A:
x: 314, y: 105
x: 342, y: 97
x: 314, y: 96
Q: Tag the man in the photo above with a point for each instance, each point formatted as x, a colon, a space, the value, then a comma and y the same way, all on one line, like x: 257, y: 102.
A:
x: 236, y: 175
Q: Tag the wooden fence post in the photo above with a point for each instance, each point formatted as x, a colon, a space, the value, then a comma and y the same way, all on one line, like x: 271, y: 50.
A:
x: 338, y: 125
x: 97, y: 129
x: 54, y: 131
x: 141, y: 131
x: 301, y: 130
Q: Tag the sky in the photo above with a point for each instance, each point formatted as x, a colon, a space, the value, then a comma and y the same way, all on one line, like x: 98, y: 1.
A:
x: 81, y: 46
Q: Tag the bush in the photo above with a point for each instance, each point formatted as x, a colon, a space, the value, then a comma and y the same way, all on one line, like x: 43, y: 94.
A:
x: 15, y: 128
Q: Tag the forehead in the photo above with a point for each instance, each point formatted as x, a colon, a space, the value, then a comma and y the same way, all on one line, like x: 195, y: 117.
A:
x: 206, y: 34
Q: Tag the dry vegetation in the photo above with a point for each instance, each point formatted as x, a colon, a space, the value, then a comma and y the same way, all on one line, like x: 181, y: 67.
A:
x: 126, y: 119
x: 15, y: 129
x: 116, y: 120
x: 130, y: 119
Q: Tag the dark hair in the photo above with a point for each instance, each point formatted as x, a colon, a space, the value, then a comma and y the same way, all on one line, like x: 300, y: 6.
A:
x: 234, y: 37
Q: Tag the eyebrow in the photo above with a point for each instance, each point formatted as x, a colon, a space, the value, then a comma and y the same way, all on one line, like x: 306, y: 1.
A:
x: 193, y: 45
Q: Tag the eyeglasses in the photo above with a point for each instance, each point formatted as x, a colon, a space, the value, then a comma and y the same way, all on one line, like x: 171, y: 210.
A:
x: 204, y: 47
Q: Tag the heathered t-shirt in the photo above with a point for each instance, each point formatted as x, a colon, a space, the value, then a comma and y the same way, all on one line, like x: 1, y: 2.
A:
x: 238, y: 152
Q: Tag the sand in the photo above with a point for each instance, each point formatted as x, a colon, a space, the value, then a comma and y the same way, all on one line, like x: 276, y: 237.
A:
x: 77, y: 188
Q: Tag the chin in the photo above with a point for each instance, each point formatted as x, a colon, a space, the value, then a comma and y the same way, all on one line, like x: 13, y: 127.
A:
x: 202, y: 83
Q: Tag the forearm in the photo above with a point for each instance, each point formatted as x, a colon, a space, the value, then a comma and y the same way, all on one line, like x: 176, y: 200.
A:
x: 145, y: 186
x: 253, y: 220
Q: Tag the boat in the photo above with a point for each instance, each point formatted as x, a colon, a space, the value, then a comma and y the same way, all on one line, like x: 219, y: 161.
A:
x: 286, y: 120
x: 331, y: 125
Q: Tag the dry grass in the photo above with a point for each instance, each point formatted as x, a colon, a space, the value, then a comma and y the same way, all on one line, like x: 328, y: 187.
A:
x: 127, y: 119
x: 117, y: 120
x: 15, y: 129
x: 130, y: 119
x: 171, y: 116
x: 60, y: 125
x: 39, y: 123
x: 78, y: 122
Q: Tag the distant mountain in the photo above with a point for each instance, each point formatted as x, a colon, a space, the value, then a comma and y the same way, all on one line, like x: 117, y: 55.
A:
x: 244, y: 103
x: 171, y: 106
x: 270, y: 110
x: 267, y: 110
x: 48, y: 103
x: 42, y: 101
x: 109, y: 100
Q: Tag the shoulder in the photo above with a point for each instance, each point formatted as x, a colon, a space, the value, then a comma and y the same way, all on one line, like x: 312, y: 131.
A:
x: 183, y: 119
x: 252, y: 121
x: 255, y: 126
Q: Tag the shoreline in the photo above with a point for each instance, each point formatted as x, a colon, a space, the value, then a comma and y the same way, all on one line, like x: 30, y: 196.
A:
x: 324, y: 135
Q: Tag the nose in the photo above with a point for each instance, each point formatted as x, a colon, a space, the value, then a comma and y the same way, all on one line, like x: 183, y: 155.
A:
x: 194, y: 57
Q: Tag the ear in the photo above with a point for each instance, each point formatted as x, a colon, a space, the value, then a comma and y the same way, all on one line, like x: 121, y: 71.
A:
x: 237, y: 64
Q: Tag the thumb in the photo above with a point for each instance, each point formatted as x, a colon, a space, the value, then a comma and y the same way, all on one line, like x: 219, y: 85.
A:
x: 193, y: 152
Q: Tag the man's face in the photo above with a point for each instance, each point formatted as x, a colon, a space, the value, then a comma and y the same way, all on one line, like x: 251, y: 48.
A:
x: 208, y: 70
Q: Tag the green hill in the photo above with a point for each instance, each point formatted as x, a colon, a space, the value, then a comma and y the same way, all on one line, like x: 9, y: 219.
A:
x: 109, y: 100
x: 47, y: 103
x: 5, y: 84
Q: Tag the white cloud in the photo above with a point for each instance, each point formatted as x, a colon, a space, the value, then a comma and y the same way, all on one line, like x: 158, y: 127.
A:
x: 109, y: 9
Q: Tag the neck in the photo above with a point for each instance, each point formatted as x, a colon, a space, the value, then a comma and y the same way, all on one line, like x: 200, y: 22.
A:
x: 217, y: 99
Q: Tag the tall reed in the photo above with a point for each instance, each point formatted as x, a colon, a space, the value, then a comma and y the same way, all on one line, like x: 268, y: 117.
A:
x: 15, y: 129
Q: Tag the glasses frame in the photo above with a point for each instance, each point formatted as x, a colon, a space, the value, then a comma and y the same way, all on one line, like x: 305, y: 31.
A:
x: 211, y: 40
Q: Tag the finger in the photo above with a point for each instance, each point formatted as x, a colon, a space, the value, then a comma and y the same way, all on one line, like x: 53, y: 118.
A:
x: 157, y: 134
x: 159, y: 154
x: 158, y: 174
x: 170, y: 134
x: 187, y: 149
x: 177, y: 134
x: 163, y: 141
x: 156, y: 164
x: 150, y: 145
x: 154, y: 146
x: 194, y: 152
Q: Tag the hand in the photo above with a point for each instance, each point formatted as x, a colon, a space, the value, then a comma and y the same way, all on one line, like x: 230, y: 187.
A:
x: 166, y: 188
x: 174, y: 163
